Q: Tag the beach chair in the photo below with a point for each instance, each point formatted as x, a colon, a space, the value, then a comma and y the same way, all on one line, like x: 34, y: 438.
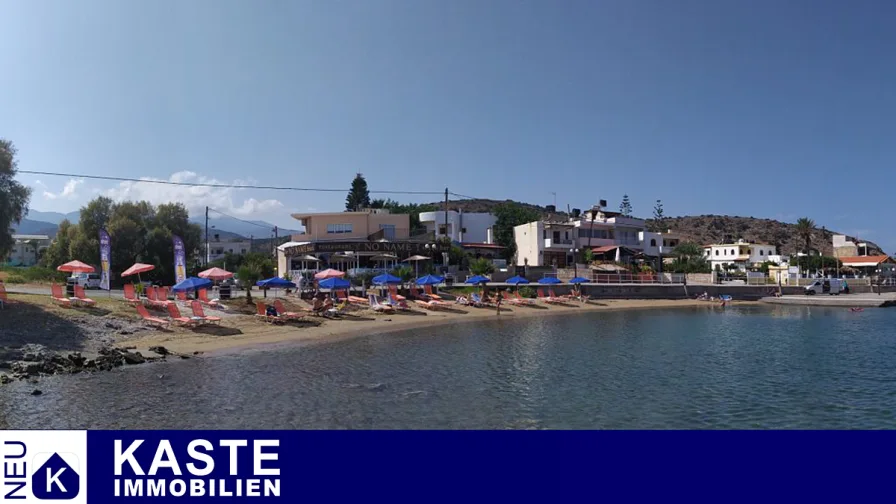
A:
x: 555, y: 296
x: 177, y: 318
x: 393, y: 291
x: 81, y: 297
x: 477, y: 301
x: 523, y: 300
x: 415, y: 294
x: 510, y: 299
x: 147, y: 318
x: 261, y: 312
x: 376, y: 306
x: 203, y: 297
x: 344, y: 297
x: 59, y: 296
x: 547, y: 299
x: 397, y: 304
x: 428, y: 290
x: 130, y: 295
x: 162, y: 294
x: 182, y: 297
x: 198, y: 313
x: 429, y: 305
x: 281, y: 311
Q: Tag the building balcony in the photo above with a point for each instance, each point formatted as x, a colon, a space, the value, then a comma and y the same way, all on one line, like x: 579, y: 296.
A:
x: 561, y: 243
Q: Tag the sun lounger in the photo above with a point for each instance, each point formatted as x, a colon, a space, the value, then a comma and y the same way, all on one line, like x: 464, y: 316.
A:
x: 397, y: 304
x: 393, y: 291
x: 198, y: 313
x: 547, y: 299
x: 523, y: 300
x: 82, y: 298
x: 346, y: 298
x: 177, y: 318
x: 59, y: 297
x: 510, y: 299
x: 182, y: 297
x: 429, y: 305
x: 153, y: 300
x: 281, y: 311
x: 203, y: 297
x: 375, y: 305
x: 130, y: 295
x: 416, y: 294
x: 261, y: 312
x: 555, y: 296
x: 147, y: 318
x: 477, y: 300
x: 428, y: 290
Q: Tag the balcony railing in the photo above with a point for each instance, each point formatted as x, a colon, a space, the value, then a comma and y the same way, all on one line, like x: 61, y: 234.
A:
x: 550, y: 242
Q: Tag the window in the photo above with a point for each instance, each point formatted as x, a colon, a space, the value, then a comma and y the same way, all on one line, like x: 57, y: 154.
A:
x: 339, y: 228
x: 443, y: 229
x: 653, y: 242
x: 717, y: 252
x: 760, y: 251
x: 388, y: 231
x: 463, y: 230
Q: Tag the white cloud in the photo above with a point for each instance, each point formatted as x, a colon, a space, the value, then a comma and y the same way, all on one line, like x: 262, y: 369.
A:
x: 69, y: 191
x: 196, y: 198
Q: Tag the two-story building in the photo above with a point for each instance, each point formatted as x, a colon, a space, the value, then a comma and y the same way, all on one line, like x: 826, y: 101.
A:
x: 462, y: 227
x: 352, y: 240
x: 27, y: 249
x: 741, y: 254
x: 218, y: 247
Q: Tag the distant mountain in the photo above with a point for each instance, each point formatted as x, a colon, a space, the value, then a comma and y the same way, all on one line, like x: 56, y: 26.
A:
x: 35, y: 227
x: 53, y: 217
x: 256, y: 229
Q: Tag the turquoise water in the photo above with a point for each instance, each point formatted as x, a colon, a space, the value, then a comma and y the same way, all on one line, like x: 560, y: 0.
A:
x: 740, y: 367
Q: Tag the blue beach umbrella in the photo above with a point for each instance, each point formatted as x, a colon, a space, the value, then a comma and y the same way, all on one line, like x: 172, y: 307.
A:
x: 191, y: 284
x: 550, y: 280
x: 516, y: 280
x: 430, y: 280
x: 275, y: 283
x: 386, y: 279
x: 578, y: 280
x: 334, y: 283
x: 478, y: 279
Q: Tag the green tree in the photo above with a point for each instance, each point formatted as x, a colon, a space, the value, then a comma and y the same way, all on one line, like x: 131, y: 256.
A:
x: 507, y: 216
x: 625, y: 208
x: 58, y: 251
x: 405, y: 273
x: 412, y: 209
x: 14, y: 196
x: 804, y: 228
x: 689, y: 258
x: 481, y: 266
x: 588, y: 256
x: 658, y: 223
x: 358, y: 196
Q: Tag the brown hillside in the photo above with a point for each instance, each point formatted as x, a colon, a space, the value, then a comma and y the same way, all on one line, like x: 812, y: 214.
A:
x: 706, y: 229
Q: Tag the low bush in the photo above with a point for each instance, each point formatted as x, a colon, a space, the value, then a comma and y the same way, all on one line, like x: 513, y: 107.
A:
x: 15, y: 279
x: 527, y: 292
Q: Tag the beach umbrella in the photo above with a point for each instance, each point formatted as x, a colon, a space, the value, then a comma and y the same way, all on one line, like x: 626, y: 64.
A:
x: 386, y: 279
x: 215, y: 274
x: 334, y: 283
x: 190, y: 284
x: 578, y: 280
x: 550, y: 280
x: 76, y: 267
x: 136, y: 269
x: 516, y: 280
x: 430, y: 280
x: 478, y: 279
x: 275, y: 283
x: 416, y: 260
x: 328, y: 273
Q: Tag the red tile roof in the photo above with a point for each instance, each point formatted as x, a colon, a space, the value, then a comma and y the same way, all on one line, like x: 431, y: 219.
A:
x: 864, y: 259
x: 605, y: 248
x: 481, y: 245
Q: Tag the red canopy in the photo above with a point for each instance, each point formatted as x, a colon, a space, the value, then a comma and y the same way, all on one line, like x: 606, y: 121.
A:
x: 76, y: 267
x: 328, y: 273
x: 138, y: 268
x: 215, y: 274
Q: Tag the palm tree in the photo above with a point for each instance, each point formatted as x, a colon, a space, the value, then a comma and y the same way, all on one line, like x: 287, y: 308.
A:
x: 804, y: 228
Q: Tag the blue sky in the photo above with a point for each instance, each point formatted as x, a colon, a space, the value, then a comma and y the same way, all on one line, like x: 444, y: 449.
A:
x: 757, y: 108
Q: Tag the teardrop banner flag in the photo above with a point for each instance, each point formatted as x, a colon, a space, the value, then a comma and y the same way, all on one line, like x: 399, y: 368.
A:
x: 180, y: 260
x: 105, y: 258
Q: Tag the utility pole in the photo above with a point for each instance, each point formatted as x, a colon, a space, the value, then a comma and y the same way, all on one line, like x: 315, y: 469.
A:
x: 276, y: 239
x: 206, y: 237
x: 446, y: 214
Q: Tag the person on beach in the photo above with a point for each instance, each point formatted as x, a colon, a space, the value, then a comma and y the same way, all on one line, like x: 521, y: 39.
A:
x: 498, y: 302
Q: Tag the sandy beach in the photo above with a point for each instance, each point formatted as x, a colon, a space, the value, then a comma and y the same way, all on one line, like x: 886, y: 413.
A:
x: 34, y: 320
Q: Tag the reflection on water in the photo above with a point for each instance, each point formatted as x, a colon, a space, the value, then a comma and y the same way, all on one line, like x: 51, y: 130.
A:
x: 740, y: 367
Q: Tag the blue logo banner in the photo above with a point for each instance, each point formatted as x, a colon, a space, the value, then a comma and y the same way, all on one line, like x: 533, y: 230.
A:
x: 461, y: 466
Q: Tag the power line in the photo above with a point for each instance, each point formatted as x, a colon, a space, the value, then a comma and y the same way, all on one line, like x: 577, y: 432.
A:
x: 222, y: 186
x: 463, y: 196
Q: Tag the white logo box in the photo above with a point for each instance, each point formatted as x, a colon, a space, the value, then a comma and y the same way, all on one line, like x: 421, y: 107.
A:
x: 39, y: 447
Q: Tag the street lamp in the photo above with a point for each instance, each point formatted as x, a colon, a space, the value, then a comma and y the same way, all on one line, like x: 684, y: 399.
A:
x: 575, y: 265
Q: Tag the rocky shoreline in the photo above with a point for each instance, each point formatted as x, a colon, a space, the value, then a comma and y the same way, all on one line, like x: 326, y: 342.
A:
x: 35, y: 361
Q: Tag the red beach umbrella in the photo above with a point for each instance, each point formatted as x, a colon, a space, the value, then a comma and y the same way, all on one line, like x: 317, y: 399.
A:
x: 76, y: 267
x: 215, y: 274
x: 138, y: 268
x: 329, y: 273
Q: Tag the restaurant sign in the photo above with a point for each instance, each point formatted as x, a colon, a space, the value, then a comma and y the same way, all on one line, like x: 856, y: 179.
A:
x: 398, y: 248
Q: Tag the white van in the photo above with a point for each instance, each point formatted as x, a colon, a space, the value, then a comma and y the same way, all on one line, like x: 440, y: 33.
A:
x: 87, y: 280
x: 824, y: 286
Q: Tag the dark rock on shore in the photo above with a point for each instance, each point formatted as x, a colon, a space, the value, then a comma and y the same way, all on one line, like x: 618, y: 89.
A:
x: 36, y: 392
x: 37, y: 362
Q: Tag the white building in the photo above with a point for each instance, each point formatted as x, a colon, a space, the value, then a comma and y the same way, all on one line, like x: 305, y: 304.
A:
x: 26, y: 249
x: 462, y: 227
x: 844, y: 246
x: 545, y: 243
x: 741, y: 254
x: 218, y: 248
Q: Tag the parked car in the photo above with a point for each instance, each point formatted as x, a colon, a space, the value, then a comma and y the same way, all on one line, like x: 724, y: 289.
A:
x: 87, y: 280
